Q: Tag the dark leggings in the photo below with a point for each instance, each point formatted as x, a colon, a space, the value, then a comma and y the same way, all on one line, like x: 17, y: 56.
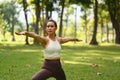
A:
x: 51, y: 68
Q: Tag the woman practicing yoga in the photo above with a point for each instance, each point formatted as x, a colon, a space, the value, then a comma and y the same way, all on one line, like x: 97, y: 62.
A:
x: 51, y: 44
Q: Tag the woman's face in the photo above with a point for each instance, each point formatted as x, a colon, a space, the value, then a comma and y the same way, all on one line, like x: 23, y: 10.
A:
x: 50, y: 28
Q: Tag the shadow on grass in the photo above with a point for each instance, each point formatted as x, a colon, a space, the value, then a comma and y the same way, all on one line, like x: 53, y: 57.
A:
x: 80, y: 62
x: 19, y: 62
x: 92, y: 62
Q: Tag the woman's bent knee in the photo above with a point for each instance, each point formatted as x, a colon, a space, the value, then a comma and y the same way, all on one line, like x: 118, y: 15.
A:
x: 33, y: 78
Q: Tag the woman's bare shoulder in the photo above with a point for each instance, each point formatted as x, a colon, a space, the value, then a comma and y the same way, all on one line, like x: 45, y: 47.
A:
x: 59, y: 39
x: 44, y: 38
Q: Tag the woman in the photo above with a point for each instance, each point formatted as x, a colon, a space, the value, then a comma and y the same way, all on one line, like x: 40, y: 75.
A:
x: 52, y: 66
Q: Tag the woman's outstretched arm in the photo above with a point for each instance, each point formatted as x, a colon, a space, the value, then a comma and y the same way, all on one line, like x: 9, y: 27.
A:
x: 64, y: 40
x: 33, y: 35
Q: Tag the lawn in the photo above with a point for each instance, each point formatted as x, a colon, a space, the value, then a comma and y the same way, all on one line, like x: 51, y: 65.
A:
x: 80, y: 61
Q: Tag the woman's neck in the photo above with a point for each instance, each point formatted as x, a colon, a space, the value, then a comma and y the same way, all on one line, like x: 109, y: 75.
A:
x: 52, y: 37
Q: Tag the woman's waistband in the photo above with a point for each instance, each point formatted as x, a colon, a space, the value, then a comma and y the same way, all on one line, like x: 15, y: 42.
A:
x: 53, y: 59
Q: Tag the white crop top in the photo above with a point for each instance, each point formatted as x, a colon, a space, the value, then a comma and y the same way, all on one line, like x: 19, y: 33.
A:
x: 53, y: 49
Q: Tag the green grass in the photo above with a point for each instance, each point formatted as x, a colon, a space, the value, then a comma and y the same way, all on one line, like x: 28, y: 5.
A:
x: 20, y: 62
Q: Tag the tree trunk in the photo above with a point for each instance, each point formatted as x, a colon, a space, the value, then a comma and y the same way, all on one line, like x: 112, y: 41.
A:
x: 85, y: 27
x: 66, y: 25
x: 43, y: 18
x: 4, y: 32
x: 13, y: 36
x: 101, y: 29
x: 94, y: 41
x: 107, y: 34
x: 37, y: 12
x: 114, y: 13
x: 61, y: 18
x: 25, y: 6
x: 75, y: 34
x: 116, y: 27
x: 113, y: 35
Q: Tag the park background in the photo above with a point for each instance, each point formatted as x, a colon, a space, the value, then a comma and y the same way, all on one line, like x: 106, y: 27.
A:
x: 96, y: 22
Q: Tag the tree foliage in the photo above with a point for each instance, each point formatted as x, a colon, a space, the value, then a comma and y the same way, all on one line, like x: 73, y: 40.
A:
x: 9, y: 12
x: 42, y: 10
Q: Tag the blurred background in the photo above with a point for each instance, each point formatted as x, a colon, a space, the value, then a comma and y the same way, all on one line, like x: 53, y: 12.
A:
x: 93, y: 21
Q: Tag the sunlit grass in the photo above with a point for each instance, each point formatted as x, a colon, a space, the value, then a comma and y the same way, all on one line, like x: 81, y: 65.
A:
x: 80, y: 61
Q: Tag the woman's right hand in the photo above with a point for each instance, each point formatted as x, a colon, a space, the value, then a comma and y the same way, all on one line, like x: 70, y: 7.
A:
x: 20, y: 33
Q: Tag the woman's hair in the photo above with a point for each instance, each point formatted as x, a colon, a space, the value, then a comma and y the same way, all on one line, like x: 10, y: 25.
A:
x: 53, y: 22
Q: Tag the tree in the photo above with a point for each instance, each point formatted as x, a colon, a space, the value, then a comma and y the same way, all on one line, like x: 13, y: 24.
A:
x: 85, y: 6
x: 114, y: 11
x: 3, y: 26
x: 104, y: 20
x: 37, y: 9
x: 68, y: 11
x: 37, y: 13
x: 94, y: 41
x: 25, y: 13
x: 8, y: 9
x: 61, y: 17
x: 86, y: 13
